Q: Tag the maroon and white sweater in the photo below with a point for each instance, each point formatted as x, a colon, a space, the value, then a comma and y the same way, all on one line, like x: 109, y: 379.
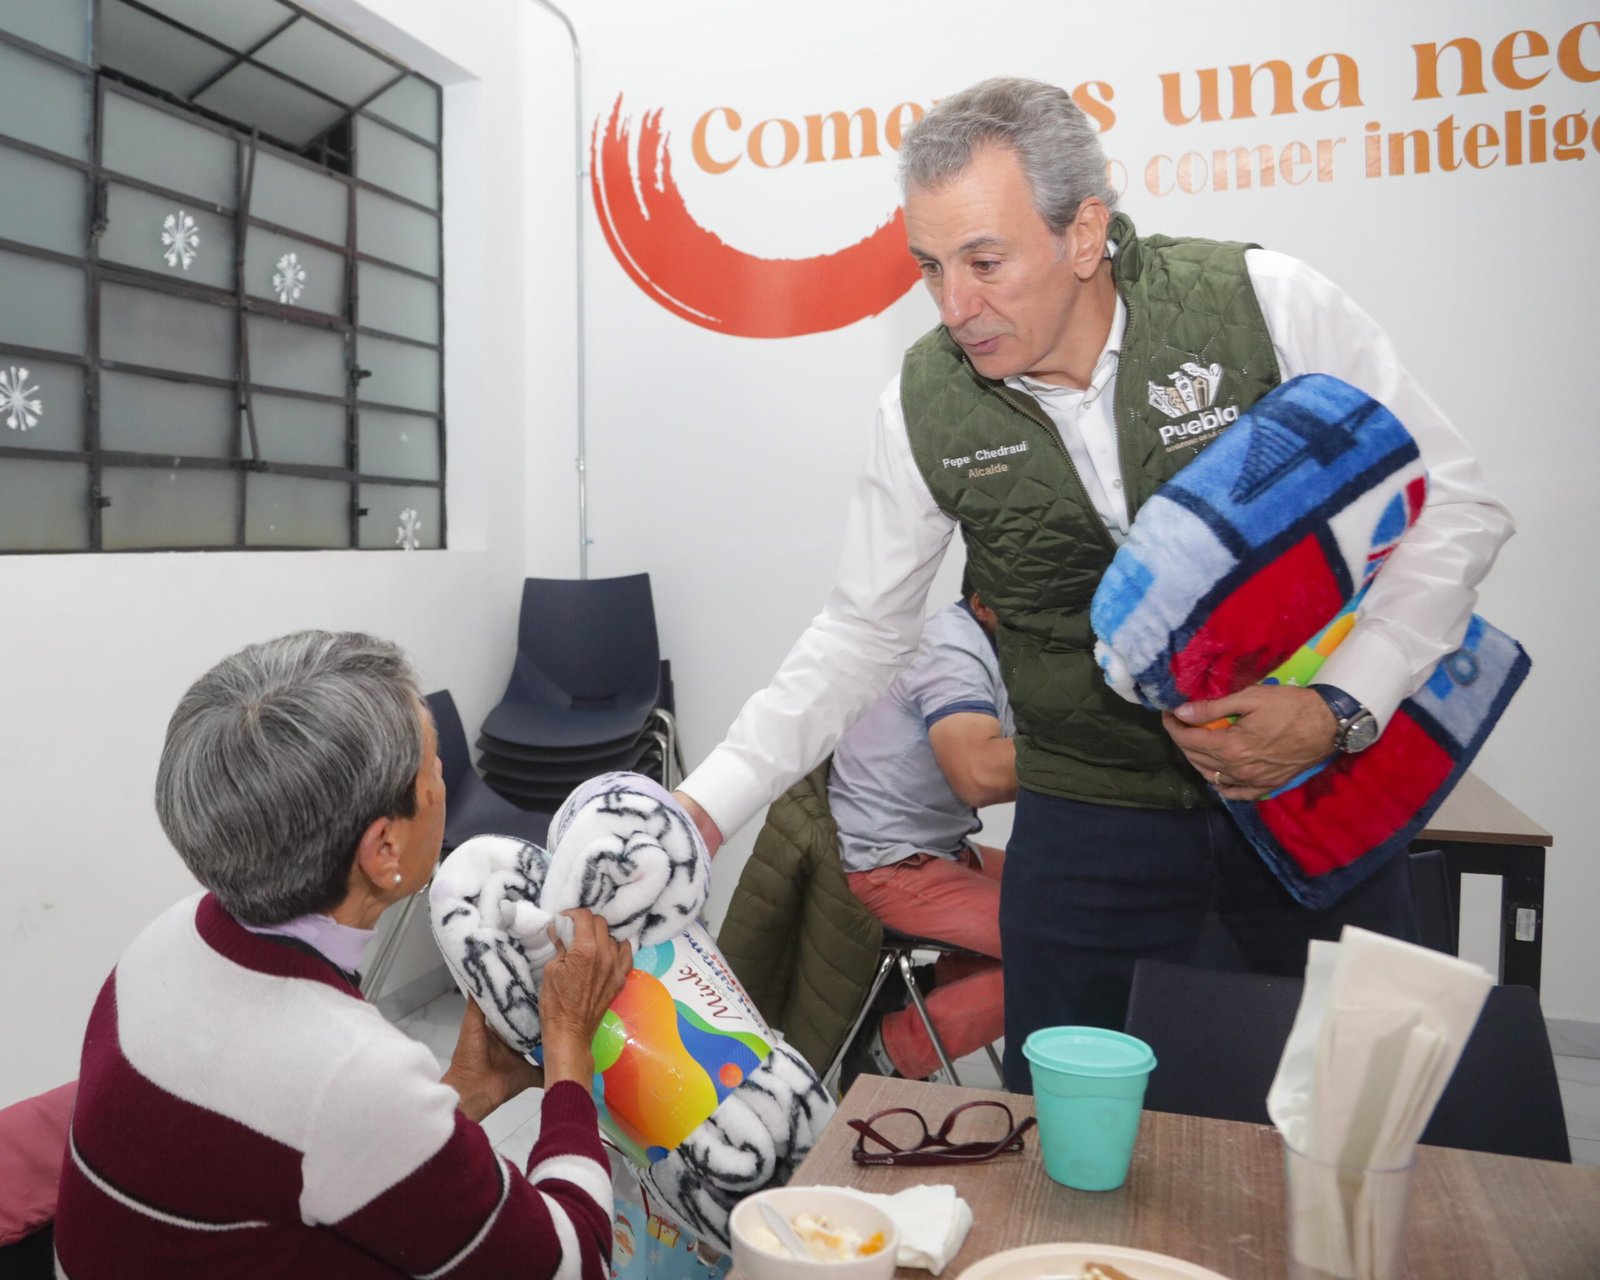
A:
x: 242, y: 1112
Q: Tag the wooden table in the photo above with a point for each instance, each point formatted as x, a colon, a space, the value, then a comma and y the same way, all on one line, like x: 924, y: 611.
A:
x: 1481, y: 832
x: 1211, y: 1191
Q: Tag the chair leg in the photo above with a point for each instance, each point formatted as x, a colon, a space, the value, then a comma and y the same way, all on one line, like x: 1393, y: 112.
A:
x: 830, y: 1077
x: 660, y: 739
x: 994, y: 1060
x: 672, y: 767
x: 921, y: 1005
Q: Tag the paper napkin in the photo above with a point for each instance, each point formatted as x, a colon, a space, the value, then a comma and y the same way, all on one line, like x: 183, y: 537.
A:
x: 933, y: 1222
x: 1380, y: 1028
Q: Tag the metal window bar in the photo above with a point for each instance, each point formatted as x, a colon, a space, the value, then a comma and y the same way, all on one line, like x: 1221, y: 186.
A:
x: 44, y: 153
x: 50, y: 55
x: 245, y: 167
x: 239, y: 57
x: 247, y: 58
x: 354, y: 374
x: 98, y: 502
x: 183, y: 110
x: 96, y: 272
x: 397, y: 197
x: 444, y: 505
x: 376, y: 261
x: 39, y: 251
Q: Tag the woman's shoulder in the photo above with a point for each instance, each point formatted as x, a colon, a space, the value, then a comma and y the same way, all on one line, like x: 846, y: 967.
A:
x: 200, y: 1016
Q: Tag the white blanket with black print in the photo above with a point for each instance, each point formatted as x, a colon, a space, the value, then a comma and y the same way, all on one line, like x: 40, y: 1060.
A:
x: 622, y: 847
x: 619, y: 845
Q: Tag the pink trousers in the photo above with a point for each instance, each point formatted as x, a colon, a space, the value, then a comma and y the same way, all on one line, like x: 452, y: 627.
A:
x: 953, y: 901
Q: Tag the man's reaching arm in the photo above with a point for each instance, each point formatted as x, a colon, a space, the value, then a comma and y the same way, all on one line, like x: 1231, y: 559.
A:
x: 895, y: 537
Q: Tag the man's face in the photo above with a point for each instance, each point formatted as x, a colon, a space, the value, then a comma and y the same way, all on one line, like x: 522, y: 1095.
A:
x: 1004, y: 284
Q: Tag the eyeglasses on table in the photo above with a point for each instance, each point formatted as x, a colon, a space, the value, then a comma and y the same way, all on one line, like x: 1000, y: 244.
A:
x: 972, y: 1132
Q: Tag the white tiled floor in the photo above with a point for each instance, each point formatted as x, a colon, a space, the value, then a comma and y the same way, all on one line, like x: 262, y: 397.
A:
x: 1580, y: 1099
x: 512, y: 1128
x: 1577, y: 1039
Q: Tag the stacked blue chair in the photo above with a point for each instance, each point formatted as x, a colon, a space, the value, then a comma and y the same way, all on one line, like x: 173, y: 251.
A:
x: 471, y: 807
x: 588, y: 694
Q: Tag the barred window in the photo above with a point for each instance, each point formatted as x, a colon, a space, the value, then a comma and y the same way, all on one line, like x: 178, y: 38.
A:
x: 221, y: 282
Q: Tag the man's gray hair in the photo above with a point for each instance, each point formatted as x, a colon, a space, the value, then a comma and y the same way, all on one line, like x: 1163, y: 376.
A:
x: 276, y: 761
x: 1059, y: 151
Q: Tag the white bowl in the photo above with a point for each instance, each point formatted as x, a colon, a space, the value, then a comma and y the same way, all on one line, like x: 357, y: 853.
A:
x: 752, y: 1261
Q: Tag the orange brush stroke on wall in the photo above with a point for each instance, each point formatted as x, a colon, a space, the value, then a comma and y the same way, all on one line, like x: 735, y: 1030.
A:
x: 696, y: 275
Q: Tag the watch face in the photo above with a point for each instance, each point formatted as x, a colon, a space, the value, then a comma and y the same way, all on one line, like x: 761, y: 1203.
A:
x: 1361, y: 733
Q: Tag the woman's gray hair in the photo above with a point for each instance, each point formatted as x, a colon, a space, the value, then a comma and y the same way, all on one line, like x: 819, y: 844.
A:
x: 276, y: 761
x: 1058, y: 148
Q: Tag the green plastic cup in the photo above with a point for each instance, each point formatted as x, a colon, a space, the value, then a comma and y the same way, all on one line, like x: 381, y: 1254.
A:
x: 1088, y: 1091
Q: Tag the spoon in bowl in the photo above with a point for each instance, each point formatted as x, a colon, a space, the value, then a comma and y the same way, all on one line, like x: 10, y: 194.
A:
x: 779, y: 1225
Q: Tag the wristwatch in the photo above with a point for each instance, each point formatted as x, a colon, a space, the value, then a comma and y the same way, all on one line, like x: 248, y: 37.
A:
x: 1357, y: 727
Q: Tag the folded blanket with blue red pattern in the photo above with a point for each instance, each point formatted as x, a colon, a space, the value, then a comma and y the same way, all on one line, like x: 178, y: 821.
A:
x: 1248, y: 554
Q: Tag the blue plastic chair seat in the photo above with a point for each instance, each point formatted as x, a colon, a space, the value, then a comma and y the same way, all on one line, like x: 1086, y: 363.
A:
x: 471, y: 807
x: 599, y: 752
x: 535, y: 793
x: 565, y: 727
x: 480, y: 811
x: 570, y: 772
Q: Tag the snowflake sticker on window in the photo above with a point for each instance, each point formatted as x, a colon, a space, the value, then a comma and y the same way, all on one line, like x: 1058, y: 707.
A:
x: 20, y: 404
x: 181, y: 234
x: 409, y: 537
x: 289, y: 280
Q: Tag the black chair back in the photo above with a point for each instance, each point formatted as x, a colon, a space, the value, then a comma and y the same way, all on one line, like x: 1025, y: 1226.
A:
x: 454, y: 754
x: 588, y: 668
x: 1505, y: 1096
x: 1217, y: 1037
x: 594, y: 639
x: 471, y: 807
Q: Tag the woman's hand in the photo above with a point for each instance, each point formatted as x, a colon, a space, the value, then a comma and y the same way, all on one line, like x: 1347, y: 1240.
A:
x: 579, y: 986
x: 484, y: 1070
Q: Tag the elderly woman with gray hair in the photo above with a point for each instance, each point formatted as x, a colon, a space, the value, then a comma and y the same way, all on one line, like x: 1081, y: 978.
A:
x: 241, y: 1110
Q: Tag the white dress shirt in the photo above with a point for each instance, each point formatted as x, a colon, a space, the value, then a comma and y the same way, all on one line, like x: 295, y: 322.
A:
x: 1088, y: 429
x: 895, y: 536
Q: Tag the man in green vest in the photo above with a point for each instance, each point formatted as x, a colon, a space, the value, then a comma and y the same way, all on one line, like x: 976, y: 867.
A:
x: 1076, y: 367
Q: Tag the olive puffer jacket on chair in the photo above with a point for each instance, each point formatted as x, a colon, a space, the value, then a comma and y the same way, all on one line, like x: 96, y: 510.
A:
x: 802, y: 944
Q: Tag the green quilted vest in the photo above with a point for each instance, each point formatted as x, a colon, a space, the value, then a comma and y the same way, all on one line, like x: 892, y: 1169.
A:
x: 1195, y: 355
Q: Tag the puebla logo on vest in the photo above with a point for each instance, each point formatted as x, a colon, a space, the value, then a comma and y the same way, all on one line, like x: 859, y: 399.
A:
x: 1193, y: 391
x: 984, y: 456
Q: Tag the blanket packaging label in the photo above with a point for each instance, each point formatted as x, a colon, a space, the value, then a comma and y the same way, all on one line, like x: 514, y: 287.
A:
x: 679, y: 1038
x: 648, y: 1244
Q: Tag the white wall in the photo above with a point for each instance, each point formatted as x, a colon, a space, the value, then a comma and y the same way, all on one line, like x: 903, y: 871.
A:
x: 721, y: 465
